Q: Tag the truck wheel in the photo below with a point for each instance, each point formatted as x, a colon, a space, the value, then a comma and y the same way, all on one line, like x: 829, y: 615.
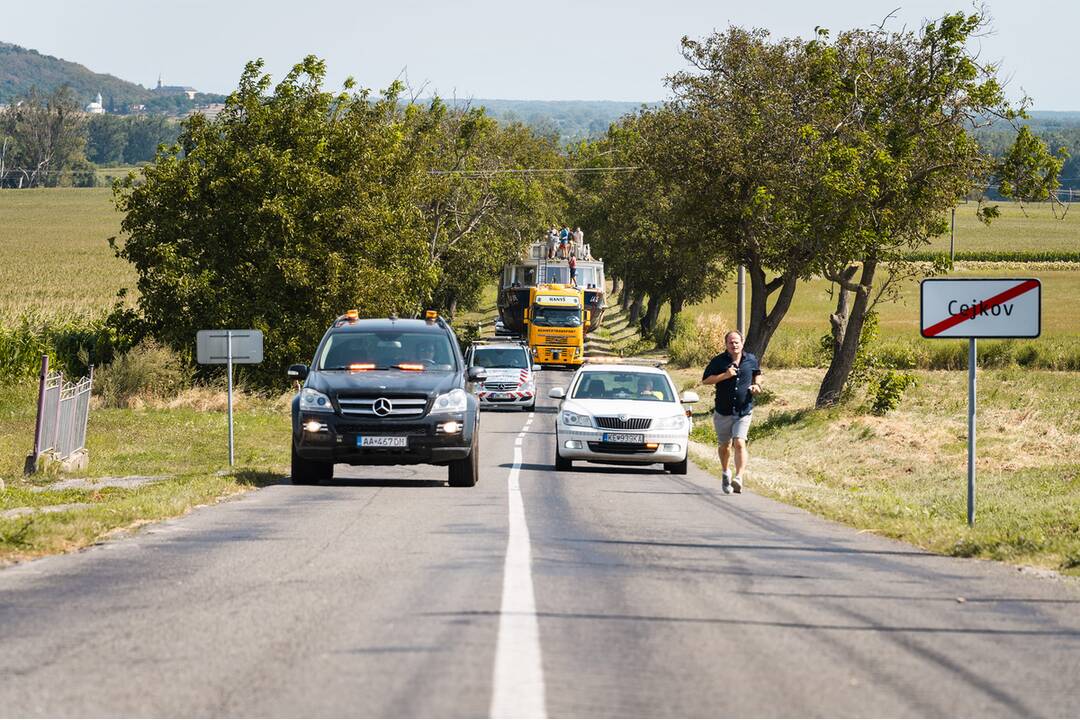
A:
x: 677, y: 468
x: 466, y: 471
x: 309, y: 472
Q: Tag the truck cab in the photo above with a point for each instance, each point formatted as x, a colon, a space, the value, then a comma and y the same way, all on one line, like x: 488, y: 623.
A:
x: 555, y: 322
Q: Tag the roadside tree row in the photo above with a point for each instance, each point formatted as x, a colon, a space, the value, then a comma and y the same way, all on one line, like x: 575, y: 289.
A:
x: 830, y: 157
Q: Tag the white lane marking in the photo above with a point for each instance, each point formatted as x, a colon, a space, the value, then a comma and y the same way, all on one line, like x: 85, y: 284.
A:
x: 531, y: 416
x: 517, y: 441
x: 518, y: 686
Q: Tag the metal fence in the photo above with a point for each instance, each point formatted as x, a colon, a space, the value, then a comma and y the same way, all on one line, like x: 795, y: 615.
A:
x: 63, y: 411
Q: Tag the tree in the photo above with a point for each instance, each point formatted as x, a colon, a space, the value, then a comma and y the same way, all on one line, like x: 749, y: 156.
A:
x: 44, y: 139
x: 106, y: 138
x: 287, y: 209
x: 757, y: 113
x: 145, y: 133
x: 480, y: 207
x: 907, y: 103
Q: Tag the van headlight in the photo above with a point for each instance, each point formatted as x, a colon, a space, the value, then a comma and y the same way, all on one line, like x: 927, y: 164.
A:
x: 572, y: 418
x: 457, y: 400
x: 314, y: 401
x: 675, y: 422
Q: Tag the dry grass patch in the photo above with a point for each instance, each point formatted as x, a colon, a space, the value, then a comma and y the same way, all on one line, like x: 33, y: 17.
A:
x: 904, y: 475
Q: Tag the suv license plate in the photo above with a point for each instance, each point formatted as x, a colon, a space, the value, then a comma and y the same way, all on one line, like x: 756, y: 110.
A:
x: 634, y: 438
x: 382, y: 441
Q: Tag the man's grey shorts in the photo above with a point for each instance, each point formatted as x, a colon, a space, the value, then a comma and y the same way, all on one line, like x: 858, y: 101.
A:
x: 730, y: 426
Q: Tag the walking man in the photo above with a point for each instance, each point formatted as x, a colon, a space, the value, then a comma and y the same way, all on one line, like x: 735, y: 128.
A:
x: 572, y: 264
x: 737, y: 377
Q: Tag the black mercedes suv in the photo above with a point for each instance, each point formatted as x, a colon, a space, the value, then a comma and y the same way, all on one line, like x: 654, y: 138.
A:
x: 386, y: 392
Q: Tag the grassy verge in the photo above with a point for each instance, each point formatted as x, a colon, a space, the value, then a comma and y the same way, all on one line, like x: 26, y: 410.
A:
x: 185, y: 443
x: 904, y: 475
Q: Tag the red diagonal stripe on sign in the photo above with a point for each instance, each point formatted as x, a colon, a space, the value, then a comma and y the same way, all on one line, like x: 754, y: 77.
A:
x: 953, y: 320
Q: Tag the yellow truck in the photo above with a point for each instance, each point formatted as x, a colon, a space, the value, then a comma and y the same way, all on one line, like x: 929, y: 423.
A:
x: 555, y: 322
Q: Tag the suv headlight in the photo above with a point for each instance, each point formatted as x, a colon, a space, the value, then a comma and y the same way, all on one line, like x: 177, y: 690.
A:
x: 457, y: 400
x: 572, y: 418
x: 675, y: 422
x: 314, y: 401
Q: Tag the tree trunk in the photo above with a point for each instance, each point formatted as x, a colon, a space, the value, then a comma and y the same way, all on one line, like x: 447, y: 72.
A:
x: 669, y: 329
x: 451, y: 309
x: 635, y: 307
x: 616, y: 285
x: 648, y: 323
x: 838, y: 320
x: 832, y: 386
x: 763, y: 322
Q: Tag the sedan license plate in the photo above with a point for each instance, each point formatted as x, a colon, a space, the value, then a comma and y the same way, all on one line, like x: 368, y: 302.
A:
x: 631, y: 438
x: 382, y: 441
x: 500, y: 396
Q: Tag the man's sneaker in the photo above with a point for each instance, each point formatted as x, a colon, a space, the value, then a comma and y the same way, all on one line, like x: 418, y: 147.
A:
x: 736, y: 484
x: 725, y: 484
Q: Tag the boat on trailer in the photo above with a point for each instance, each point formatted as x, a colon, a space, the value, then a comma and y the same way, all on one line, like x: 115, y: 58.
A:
x: 533, y: 267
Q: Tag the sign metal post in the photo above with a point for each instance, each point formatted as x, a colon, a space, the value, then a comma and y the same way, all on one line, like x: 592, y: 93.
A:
x: 975, y: 308
x: 229, y: 347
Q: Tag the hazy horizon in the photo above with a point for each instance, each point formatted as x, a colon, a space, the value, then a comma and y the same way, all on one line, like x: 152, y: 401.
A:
x: 479, y: 49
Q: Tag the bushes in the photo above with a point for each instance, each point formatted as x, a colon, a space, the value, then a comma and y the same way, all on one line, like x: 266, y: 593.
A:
x: 696, y: 341
x: 886, y: 389
x: 1024, y: 256
x: 147, y: 370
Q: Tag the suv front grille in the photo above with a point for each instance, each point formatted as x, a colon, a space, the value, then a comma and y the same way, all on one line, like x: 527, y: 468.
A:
x: 400, y: 407
x: 498, y: 386
x: 614, y: 423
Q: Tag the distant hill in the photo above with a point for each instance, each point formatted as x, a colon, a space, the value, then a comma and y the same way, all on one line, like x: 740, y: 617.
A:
x: 22, y: 69
x: 570, y: 120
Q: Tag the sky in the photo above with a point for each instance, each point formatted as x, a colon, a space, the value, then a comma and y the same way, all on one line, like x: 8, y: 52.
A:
x: 549, y: 50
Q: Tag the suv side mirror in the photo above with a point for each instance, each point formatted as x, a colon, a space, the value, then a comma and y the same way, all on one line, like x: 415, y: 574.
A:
x: 556, y: 393
x: 298, y: 372
x: 689, y: 397
x: 477, y: 374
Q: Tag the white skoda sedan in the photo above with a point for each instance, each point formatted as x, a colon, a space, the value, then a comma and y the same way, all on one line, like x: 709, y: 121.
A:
x: 622, y: 414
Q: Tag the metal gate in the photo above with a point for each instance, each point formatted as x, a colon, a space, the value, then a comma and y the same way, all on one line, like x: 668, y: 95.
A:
x: 63, y: 411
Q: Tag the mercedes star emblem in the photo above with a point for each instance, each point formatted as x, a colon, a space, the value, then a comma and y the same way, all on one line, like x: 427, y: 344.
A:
x: 383, y: 407
x: 624, y: 418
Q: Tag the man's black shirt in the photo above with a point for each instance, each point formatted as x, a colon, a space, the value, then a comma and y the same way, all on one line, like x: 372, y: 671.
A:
x: 733, y: 396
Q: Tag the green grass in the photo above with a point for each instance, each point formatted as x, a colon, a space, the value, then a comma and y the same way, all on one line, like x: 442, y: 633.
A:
x: 54, y: 255
x: 904, y: 475
x: 186, y: 444
x: 1033, y: 228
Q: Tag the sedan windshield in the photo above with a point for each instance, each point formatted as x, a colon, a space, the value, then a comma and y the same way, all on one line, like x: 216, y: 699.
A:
x: 387, y: 351
x: 556, y: 316
x: 613, y: 385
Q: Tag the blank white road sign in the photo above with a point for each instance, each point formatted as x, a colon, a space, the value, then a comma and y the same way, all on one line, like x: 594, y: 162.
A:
x: 211, y: 346
x: 980, y: 308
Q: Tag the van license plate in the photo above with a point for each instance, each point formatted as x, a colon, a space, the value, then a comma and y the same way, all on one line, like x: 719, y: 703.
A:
x: 634, y: 438
x: 382, y: 441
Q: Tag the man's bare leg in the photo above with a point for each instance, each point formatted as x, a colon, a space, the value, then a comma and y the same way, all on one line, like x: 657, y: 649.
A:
x: 741, y: 458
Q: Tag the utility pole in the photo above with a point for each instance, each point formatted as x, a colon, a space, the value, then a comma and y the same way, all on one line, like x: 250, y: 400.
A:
x: 741, y: 307
x: 952, y: 238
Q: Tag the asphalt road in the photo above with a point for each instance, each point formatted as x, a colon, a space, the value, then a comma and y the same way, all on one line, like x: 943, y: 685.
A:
x: 598, y: 592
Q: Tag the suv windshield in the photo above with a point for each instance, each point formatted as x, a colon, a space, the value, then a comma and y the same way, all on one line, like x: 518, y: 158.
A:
x: 611, y: 385
x: 354, y: 350
x: 556, y: 316
x: 500, y: 358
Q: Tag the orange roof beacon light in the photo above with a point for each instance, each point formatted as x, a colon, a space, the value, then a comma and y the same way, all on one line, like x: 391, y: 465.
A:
x: 431, y: 315
x: 411, y: 366
x: 360, y: 367
x: 352, y: 314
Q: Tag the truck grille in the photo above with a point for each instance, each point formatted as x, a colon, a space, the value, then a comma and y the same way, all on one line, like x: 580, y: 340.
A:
x: 399, y: 407
x: 556, y: 339
x: 614, y: 423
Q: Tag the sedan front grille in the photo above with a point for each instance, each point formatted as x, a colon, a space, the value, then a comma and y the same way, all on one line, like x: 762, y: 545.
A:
x: 614, y: 423
x: 398, y: 407
x: 500, y: 386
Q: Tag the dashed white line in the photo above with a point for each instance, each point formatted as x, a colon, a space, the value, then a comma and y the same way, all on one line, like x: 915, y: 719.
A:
x: 518, y: 686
